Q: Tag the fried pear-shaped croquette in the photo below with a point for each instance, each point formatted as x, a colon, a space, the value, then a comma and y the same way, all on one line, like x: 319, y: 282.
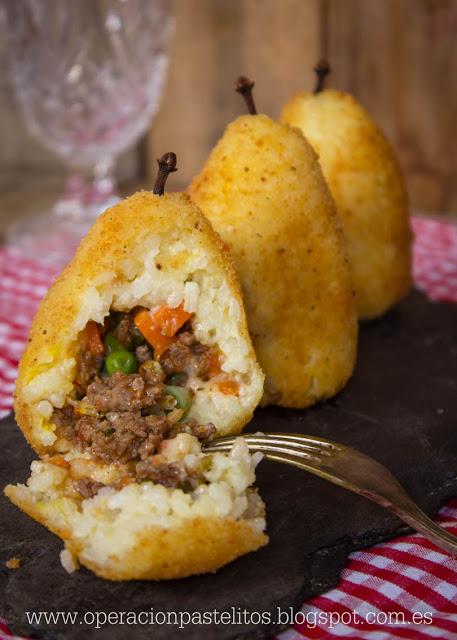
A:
x: 264, y: 193
x: 366, y: 183
x: 138, y: 354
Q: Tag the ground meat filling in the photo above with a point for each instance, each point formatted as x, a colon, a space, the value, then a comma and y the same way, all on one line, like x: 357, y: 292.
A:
x: 170, y: 475
x: 87, y: 488
x: 187, y: 353
x: 125, y: 331
x: 124, y: 392
x: 124, y: 417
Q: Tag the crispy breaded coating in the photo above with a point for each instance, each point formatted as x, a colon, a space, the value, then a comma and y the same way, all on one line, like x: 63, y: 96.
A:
x: 362, y: 172
x: 264, y: 193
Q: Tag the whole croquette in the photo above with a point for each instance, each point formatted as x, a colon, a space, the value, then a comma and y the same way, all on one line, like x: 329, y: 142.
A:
x: 263, y: 191
x: 366, y: 183
x: 140, y: 352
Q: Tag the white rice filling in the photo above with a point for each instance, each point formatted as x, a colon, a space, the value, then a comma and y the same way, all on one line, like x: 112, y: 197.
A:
x: 95, y: 522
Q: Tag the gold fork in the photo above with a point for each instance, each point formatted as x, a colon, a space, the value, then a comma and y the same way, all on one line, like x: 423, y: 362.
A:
x: 347, y: 468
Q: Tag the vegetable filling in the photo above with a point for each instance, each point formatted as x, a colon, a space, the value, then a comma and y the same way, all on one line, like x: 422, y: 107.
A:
x: 133, y: 391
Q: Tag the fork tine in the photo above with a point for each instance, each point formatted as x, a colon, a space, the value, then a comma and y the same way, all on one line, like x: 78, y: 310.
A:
x: 219, y: 446
x: 347, y: 468
x: 300, y: 454
x: 292, y: 442
x: 301, y: 459
x: 308, y: 463
x: 302, y: 439
x: 272, y: 448
x: 290, y: 437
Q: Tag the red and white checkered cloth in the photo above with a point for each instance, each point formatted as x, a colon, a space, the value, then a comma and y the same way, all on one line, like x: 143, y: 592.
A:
x: 405, y: 576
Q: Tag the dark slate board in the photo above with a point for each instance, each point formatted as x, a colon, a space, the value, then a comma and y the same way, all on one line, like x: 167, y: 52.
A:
x: 400, y: 407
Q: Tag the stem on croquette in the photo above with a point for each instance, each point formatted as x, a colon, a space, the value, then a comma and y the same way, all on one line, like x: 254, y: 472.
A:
x: 167, y: 164
x: 245, y: 86
x: 322, y: 69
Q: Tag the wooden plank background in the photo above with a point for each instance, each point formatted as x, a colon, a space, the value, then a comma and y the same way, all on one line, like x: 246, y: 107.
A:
x: 399, y: 57
x: 274, y: 42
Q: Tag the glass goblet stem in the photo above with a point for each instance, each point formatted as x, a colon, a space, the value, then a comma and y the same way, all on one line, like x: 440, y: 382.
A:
x: 88, y: 191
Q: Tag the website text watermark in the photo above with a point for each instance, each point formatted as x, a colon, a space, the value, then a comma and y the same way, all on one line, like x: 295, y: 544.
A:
x: 232, y: 616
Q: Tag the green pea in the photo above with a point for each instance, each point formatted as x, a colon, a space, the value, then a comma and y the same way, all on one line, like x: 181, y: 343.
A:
x: 182, y: 396
x: 123, y: 361
x: 112, y: 343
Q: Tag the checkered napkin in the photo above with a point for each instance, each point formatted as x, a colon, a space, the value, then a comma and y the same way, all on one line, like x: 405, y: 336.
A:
x: 408, y: 577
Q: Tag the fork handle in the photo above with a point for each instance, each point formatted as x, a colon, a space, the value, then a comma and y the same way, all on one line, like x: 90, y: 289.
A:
x: 402, y: 506
x: 421, y: 523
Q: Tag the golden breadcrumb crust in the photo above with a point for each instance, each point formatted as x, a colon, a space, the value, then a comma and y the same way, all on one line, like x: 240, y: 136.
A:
x: 264, y: 193
x: 199, y: 545
x: 362, y: 172
x: 115, y: 235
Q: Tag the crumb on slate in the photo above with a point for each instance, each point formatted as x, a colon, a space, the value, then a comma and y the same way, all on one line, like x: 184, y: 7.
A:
x: 13, y: 563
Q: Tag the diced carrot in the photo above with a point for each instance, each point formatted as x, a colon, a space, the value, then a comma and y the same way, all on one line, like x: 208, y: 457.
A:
x: 228, y: 387
x: 171, y: 319
x: 160, y: 327
x: 146, y: 325
x: 59, y: 461
x: 94, y: 342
